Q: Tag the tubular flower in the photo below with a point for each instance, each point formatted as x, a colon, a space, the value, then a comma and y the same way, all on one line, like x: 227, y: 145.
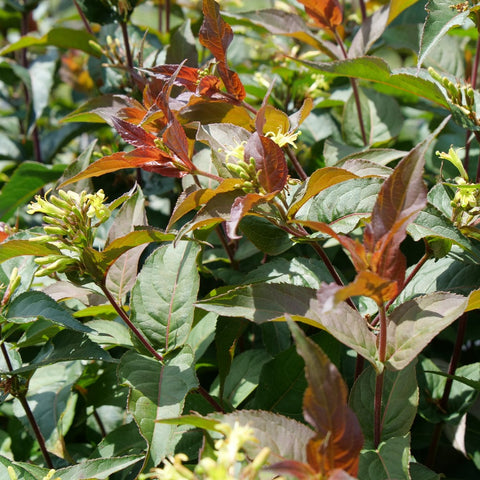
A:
x: 282, y: 139
x: 70, y: 221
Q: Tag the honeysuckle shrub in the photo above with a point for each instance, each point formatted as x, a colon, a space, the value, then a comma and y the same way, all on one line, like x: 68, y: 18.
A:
x: 239, y: 239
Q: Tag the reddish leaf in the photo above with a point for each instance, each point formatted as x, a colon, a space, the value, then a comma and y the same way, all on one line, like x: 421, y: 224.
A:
x: 133, y: 134
x: 186, y: 203
x: 240, y: 207
x: 299, y: 470
x: 402, y: 197
x: 215, y: 34
x: 186, y: 77
x: 232, y: 82
x: 338, y: 438
x: 208, y: 86
x: 148, y: 158
x: 326, y: 13
x: 270, y: 161
x: 370, y: 285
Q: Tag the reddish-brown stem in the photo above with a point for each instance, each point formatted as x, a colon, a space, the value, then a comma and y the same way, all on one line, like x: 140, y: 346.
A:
x: 363, y: 10
x: 356, y: 94
x: 100, y: 424
x: 296, y: 164
x: 128, y: 52
x: 36, y: 431
x: 121, y: 312
x: 227, y: 247
x: 382, y: 347
x: 28, y: 413
x: 83, y: 17
x: 210, y: 399
x: 443, y: 404
x: 212, y: 176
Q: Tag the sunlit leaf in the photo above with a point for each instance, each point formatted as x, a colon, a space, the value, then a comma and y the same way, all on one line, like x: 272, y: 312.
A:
x: 16, y: 248
x: 473, y: 301
x: 272, y: 169
x: 326, y: 14
x: 102, y: 109
x: 158, y: 391
x: 374, y: 69
x: 193, y: 200
x: 240, y: 207
x: 215, y: 34
x: 415, y: 323
x: 133, y: 134
x: 441, y: 17
x: 59, y: 37
x: 320, y: 180
x: 162, y: 305
x: 397, y: 7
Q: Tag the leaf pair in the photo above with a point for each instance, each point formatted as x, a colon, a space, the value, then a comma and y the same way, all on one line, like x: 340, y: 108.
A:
x: 379, y: 263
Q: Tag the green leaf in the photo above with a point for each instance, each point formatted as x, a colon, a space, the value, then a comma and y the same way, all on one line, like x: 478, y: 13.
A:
x: 163, y: 305
x: 17, y: 248
x: 344, y: 205
x: 42, y: 72
x: 158, y: 392
x: 283, y: 384
x: 416, y: 322
x: 265, y: 236
x: 102, y: 109
x: 66, y: 346
x: 397, y: 7
x: 52, y: 385
x: 27, y: 180
x: 431, y: 223
x: 58, y: 37
x: 286, y: 438
x: 243, y: 377
x: 98, y: 468
x: 413, y: 81
x: 440, y: 19
x: 182, y: 46
x: 131, y: 240
x: 389, y: 461
x: 24, y: 471
x: 399, y: 402
x: 264, y: 302
x: 31, y: 305
x: 381, y: 115
x: 320, y: 180
x: 421, y: 472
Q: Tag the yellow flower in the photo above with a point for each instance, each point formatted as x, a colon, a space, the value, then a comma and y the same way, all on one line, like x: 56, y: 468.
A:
x: 282, y: 139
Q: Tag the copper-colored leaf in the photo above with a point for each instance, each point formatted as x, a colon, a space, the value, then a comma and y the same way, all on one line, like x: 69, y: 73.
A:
x: 326, y: 13
x: 208, y: 86
x: 240, y: 207
x: 338, y: 438
x: 401, y: 198
x: 133, y: 134
x: 270, y: 161
x: 232, y: 82
x: 215, y: 34
x: 299, y: 470
x: 148, y: 158
x: 371, y: 285
x: 186, y: 77
x: 187, y: 203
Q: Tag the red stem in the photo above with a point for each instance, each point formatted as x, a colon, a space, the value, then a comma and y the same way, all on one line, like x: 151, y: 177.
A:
x: 382, y: 347
x: 129, y: 323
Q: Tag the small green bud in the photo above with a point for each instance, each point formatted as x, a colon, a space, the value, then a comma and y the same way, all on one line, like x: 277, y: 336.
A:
x: 435, y: 75
x: 96, y: 47
x: 11, y: 473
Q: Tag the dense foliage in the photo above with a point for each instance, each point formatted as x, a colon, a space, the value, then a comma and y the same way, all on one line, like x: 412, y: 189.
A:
x: 240, y: 240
